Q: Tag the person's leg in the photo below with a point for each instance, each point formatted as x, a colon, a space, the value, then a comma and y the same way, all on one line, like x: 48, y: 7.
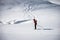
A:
x: 35, y: 26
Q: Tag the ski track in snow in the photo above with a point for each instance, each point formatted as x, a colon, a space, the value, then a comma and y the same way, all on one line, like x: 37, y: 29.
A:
x: 48, y: 21
x: 25, y: 31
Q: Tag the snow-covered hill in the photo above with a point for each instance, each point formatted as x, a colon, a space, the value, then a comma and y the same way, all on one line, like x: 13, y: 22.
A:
x: 20, y: 13
x: 25, y: 31
x: 16, y: 21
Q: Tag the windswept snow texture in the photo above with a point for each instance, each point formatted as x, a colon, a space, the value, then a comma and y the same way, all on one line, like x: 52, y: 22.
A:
x: 16, y: 20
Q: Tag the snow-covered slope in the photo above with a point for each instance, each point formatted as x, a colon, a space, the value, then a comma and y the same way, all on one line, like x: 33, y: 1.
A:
x: 47, y: 29
x: 18, y: 12
x: 26, y: 32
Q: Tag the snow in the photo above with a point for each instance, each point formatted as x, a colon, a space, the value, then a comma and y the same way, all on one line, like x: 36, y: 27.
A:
x: 25, y: 31
x: 47, y: 29
x: 55, y: 1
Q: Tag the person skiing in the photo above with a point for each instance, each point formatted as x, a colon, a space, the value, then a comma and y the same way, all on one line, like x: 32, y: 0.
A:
x: 35, y: 23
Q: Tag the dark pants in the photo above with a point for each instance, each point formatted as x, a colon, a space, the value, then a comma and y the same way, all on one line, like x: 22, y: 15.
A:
x: 35, y: 26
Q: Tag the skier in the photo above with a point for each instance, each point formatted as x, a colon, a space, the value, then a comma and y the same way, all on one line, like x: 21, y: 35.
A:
x: 35, y: 23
